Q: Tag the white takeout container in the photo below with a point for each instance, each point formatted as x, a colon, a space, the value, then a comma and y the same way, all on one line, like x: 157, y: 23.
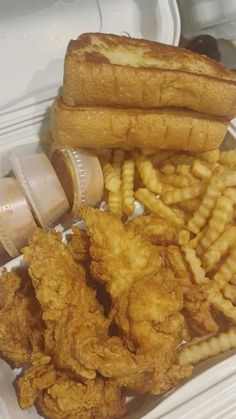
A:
x: 34, y: 36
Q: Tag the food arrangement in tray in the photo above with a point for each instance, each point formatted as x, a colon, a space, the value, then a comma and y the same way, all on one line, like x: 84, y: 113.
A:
x: 147, y: 289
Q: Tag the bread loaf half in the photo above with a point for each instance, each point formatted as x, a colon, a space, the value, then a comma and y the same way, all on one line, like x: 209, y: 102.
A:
x: 164, y: 128
x: 111, y: 70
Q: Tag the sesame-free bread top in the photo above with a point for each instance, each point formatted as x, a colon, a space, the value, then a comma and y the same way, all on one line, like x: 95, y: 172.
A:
x: 107, y: 127
x: 102, y: 69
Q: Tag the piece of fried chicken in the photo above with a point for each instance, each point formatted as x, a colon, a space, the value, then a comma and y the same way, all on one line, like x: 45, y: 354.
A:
x: 59, y: 396
x: 147, y: 298
x: 154, y: 229
x: 19, y: 317
x: 77, y: 332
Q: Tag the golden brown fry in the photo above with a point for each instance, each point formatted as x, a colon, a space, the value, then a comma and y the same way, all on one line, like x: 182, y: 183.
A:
x: 227, y: 270
x: 219, y: 248
x: 147, y: 172
x: 211, y: 156
x: 127, y: 186
x: 111, y: 179
x: 183, y: 194
x: 167, y: 168
x: 183, y: 237
x: 217, y: 223
x: 157, y: 206
x: 200, y: 217
x: 201, y: 170
x: 195, y: 265
x: 208, y: 348
x: 160, y: 156
x: 179, y: 181
x: 229, y: 292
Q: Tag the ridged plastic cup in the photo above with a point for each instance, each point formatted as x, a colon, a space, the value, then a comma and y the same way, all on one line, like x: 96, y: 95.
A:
x: 80, y: 174
x: 41, y: 186
x: 16, y: 219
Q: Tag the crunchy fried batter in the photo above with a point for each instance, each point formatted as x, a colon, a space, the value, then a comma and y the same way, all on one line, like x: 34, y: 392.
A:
x: 77, y: 335
x: 147, y: 299
x: 19, y: 317
x: 59, y: 396
x: 154, y: 229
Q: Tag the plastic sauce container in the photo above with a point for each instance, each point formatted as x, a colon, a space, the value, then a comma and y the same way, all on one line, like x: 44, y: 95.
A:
x: 80, y: 174
x: 41, y: 186
x: 16, y: 220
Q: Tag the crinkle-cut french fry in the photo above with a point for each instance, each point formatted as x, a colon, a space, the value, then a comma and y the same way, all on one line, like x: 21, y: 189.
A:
x: 181, y: 158
x: 179, y: 181
x: 148, y: 151
x: 195, y: 265
x: 226, y: 271
x: 190, y: 205
x: 214, y: 189
x: 219, y: 248
x: 228, y: 157
x: 211, y: 156
x: 115, y: 198
x: 111, y: 179
x: 201, y: 170
x: 160, y: 156
x: 183, y: 169
x: 229, y: 292
x: 223, y: 305
x: 156, y: 206
x: 117, y: 160
x: 166, y: 187
x: 231, y: 193
x: 127, y: 186
x: 193, y: 243
x: 183, y: 237
x: 230, y: 179
x: 208, y: 348
x: 147, y: 172
x: 167, y: 168
x: 115, y: 202
x: 217, y: 223
x: 183, y: 194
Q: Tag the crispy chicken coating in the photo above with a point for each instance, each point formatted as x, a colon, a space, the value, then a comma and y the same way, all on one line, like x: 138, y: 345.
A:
x: 19, y: 317
x: 147, y: 298
x: 77, y: 332
x: 59, y: 396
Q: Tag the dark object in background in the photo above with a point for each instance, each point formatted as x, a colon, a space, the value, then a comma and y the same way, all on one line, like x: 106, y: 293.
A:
x: 204, y: 44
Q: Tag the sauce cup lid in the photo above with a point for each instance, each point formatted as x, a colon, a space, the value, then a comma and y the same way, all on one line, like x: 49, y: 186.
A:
x: 16, y: 220
x: 80, y: 174
x: 41, y: 186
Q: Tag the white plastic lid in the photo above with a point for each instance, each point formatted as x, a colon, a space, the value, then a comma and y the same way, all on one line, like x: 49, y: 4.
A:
x: 80, y: 174
x: 16, y: 220
x: 41, y: 186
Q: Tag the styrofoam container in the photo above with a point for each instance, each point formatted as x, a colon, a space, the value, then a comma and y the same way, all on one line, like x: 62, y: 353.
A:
x: 34, y: 36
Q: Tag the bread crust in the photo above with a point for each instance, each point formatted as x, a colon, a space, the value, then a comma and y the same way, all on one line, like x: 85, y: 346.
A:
x: 103, y: 84
x: 105, y: 127
x: 162, y: 76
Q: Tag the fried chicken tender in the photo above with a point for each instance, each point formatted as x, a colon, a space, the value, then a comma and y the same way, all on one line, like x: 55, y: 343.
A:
x: 147, y: 298
x: 19, y: 317
x: 77, y: 333
x: 59, y: 396
x: 198, y: 311
x: 79, y: 245
x: 154, y: 229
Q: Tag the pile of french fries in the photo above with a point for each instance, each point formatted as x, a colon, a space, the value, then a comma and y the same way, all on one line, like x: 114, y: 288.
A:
x: 197, y: 194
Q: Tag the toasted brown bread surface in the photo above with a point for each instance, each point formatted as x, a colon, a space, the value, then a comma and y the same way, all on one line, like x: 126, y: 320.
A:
x: 165, y: 128
x: 109, y: 70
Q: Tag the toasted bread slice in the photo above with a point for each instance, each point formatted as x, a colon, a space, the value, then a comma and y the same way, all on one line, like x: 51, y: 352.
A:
x: 111, y: 70
x: 164, y: 128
